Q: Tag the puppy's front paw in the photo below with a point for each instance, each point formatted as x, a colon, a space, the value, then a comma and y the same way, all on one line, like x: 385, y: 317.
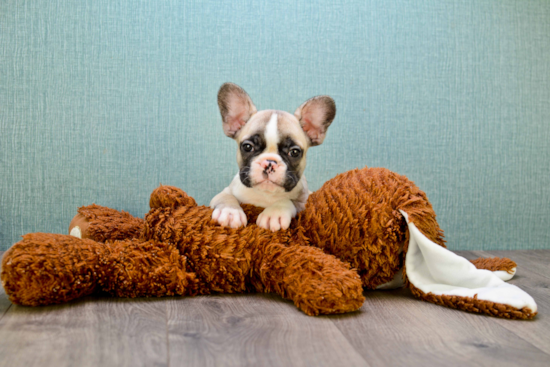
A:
x: 274, y: 218
x: 229, y: 216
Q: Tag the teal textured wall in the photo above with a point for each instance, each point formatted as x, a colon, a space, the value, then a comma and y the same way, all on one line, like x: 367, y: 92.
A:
x: 100, y: 101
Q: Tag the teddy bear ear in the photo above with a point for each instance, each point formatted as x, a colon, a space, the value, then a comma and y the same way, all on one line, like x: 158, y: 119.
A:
x: 315, y: 116
x: 236, y: 108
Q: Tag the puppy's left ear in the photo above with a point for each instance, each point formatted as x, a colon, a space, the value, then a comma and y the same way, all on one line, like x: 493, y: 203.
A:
x: 315, y: 116
x: 236, y: 108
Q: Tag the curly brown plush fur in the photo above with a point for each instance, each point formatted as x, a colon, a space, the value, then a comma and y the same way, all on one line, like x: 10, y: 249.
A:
x: 351, y: 235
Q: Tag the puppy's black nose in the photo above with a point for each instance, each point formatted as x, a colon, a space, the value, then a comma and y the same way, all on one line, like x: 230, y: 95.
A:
x: 269, y: 166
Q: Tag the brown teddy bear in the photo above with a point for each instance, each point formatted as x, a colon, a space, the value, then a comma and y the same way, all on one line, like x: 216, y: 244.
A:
x: 368, y: 228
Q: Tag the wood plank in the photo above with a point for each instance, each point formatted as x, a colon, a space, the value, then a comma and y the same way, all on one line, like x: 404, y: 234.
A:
x: 533, y: 276
x: 89, y: 332
x: 258, y: 329
x: 397, y: 329
x: 503, y: 345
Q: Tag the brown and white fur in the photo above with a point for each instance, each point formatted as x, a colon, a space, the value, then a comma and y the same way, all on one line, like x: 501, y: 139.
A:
x: 271, y: 155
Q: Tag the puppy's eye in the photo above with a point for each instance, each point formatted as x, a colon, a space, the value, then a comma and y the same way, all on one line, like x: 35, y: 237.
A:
x: 247, y: 147
x: 294, y: 153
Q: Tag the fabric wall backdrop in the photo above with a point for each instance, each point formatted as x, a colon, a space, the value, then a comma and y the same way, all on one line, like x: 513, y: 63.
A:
x: 100, y: 101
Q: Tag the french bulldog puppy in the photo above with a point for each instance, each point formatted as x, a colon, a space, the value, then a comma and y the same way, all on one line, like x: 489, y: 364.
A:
x: 271, y: 155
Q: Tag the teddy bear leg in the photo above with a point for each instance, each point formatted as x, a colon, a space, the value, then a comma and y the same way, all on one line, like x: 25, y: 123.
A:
x: 45, y: 269
x: 316, y: 282
x: 100, y: 224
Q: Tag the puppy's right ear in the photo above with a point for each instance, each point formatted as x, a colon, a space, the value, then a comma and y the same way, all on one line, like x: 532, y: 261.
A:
x: 236, y: 108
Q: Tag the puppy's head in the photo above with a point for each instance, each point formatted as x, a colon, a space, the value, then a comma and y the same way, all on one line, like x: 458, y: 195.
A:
x: 273, y: 144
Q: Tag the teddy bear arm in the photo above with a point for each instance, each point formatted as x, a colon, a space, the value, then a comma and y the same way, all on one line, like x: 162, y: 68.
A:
x: 170, y: 197
x: 101, y: 223
x: 317, y: 283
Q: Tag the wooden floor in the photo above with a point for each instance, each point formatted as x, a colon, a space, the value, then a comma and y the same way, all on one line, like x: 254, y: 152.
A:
x: 391, y: 329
